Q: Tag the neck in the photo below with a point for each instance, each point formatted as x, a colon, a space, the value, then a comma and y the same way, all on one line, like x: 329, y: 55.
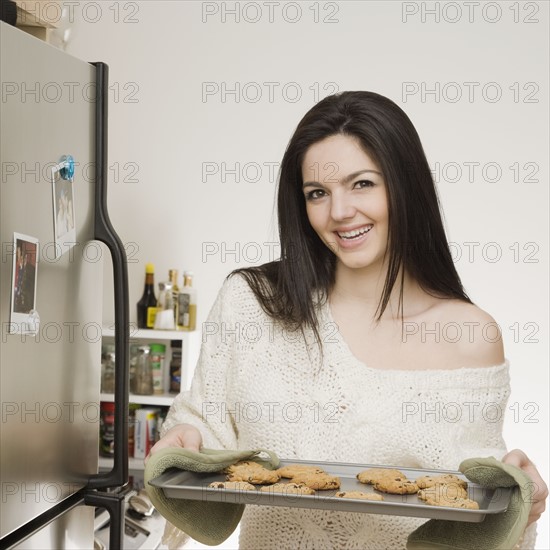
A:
x: 362, y: 289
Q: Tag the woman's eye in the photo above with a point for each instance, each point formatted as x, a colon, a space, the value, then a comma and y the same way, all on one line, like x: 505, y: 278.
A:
x: 315, y: 194
x: 364, y: 183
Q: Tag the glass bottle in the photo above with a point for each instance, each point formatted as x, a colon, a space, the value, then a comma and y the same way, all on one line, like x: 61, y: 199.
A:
x: 147, y: 306
x: 173, y: 278
x: 187, y: 304
x: 164, y: 319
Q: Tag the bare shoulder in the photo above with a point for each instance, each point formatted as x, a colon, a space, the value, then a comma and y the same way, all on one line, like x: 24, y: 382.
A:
x: 474, y: 332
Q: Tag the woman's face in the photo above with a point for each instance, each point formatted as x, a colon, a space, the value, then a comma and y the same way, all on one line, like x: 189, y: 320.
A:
x: 346, y: 201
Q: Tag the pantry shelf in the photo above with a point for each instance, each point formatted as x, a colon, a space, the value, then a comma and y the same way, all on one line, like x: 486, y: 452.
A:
x: 150, y: 334
x: 164, y: 400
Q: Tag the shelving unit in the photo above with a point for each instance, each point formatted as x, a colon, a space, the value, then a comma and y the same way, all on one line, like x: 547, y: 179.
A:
x: 189, y: 352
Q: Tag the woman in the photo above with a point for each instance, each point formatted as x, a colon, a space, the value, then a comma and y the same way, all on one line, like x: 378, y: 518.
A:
x: 332, y: 353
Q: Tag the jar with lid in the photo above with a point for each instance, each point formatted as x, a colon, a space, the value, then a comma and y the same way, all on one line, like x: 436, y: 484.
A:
x: 157, y: 367
x: 144, y: 375
x: 165, y: 308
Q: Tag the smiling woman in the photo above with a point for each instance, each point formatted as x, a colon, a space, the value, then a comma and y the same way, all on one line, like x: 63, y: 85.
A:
x: 339, y: 142
x: 364, y: 262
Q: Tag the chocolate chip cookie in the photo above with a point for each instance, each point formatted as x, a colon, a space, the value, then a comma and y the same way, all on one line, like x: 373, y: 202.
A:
x: 375, y: 475
x: 252, y: 472
x: 396, y: 486
x: 296, y: 469
x: 448, y: 479
x: 320, y: 482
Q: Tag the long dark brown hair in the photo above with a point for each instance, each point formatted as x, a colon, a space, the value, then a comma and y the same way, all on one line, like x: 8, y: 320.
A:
x: 417, y: 242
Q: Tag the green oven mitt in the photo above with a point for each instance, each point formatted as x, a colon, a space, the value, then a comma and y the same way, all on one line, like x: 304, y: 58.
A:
x: 207, y: 522
x: 497, y: 531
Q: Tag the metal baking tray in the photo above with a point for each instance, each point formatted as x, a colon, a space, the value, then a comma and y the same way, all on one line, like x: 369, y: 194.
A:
x: 182, y: 484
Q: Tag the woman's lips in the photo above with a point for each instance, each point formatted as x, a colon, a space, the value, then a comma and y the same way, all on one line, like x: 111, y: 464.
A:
x: 353, y: 238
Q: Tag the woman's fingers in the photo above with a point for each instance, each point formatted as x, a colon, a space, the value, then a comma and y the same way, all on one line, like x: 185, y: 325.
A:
x: 539, y: 492
x: 182, y: 435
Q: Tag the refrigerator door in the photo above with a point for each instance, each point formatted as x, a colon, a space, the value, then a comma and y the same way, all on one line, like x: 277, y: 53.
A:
x: 49, y: 382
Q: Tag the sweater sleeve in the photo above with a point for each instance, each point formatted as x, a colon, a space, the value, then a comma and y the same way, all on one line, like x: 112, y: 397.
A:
x: 205, y: 404
x: 481, y: 432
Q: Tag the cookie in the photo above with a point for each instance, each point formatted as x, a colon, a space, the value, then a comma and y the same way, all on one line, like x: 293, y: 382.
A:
x: 374, y: 475
x: 237, y: 485
x: 252, y: 472
x: 448, y: 479
x: 453, y: 502
x: 288, y: 488
x: 443, y: 492
x: 396, y: 486
x: 320, y: 482
x: 360, y: 495
x: 296, y: 469
x: 242, y: 464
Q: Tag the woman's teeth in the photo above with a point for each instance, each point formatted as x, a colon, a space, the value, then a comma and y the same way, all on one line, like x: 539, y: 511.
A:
x: 355, y: 233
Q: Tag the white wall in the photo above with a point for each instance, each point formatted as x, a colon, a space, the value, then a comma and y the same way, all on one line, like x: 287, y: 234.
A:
x: 172, y: 213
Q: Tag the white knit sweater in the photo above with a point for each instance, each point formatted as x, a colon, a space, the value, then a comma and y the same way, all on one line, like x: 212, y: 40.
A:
x: 258, y: 386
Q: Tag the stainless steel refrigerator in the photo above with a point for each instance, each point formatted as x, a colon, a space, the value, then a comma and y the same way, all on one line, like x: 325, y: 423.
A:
x: 53, y: 116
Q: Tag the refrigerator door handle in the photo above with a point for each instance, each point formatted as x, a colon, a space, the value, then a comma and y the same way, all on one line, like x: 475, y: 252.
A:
x: 105, y: 233
x: 115, y: 505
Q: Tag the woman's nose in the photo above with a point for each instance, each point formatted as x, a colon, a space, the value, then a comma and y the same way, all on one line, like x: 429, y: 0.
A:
x: 341, y: 207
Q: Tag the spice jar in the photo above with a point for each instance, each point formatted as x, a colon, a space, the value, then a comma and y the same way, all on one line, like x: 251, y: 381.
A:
x: 144, y: 375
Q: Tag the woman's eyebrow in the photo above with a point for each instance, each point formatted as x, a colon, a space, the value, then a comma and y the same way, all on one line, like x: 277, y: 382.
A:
x: 347, y: 179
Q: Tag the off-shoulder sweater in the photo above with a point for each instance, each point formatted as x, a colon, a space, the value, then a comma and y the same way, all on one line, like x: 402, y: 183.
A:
x: 257, y: 385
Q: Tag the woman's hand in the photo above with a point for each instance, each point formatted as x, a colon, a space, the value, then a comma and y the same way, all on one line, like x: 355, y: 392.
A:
x: 182, y: 435
x: 540, y: 493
